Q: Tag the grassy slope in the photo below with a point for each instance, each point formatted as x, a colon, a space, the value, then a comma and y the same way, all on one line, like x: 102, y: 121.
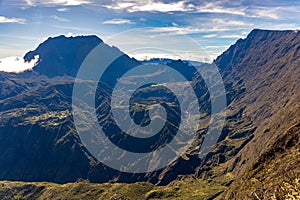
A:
x: 275, y: 174
x: 186, y: 188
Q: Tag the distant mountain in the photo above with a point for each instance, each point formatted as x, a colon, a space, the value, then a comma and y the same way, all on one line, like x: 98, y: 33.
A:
x: 157, y: 61
x: 257, y: 150
x: 165, y: 61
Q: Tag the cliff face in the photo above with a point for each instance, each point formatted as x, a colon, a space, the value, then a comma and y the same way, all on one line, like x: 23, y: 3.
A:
x: 267, y: 63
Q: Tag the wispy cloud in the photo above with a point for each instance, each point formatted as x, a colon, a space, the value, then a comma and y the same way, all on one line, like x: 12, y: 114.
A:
x: 272, y: 12
x: 231, y: 36
x: 264, y: 12
x: 22, y: 37
x: 215, y: 46
x: 210, y: 36
x: 224, y: 36
x: 74, y: 28
x: 61, y: 19
x: 4, y: 19
x: 31, y: 3
x: 174, y: 30
x: 216, y: 7
x: 228, y: 22
x: 118, y: 21
x: 279, y: 26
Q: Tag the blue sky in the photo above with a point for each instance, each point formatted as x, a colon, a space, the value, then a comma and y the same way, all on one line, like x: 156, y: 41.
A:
x: 214, y: 25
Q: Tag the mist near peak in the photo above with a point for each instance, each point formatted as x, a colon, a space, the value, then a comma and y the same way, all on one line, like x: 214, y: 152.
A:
x: 17, y: 64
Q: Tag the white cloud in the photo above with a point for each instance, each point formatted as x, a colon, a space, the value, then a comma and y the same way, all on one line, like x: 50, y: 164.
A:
x: 120, y: 5
x: 160, y: 7
x: 174, y: 24
x: 180, y: 6
x: 16, y: 64
x: 31, y: 3
x: 210, y: 36
x: 59, y: 18
x: 118, y: 21
x: 70, y: 2
x: 62, y: 9
x: 149, y: 6
x: 12, y: 20
x: 221, y: 7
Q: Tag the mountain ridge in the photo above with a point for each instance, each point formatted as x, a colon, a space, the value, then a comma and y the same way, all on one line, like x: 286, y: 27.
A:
x: 271, y: 58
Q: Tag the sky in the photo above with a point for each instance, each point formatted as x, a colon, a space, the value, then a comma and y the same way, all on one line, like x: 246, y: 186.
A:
x: 141, y: 24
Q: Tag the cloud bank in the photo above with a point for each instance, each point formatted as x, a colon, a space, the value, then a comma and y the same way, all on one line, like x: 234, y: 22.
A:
x: 16, y: 64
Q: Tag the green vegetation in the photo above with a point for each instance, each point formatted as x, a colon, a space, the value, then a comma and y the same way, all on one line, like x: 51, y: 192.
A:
x: 186, y: 188
x: 275, y: 174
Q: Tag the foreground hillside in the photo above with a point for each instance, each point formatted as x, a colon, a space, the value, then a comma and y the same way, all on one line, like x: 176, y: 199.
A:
x: 189, y: 187
x: 186, y: 188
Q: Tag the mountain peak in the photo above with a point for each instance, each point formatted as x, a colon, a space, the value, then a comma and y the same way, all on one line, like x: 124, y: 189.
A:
x: 62, y: 55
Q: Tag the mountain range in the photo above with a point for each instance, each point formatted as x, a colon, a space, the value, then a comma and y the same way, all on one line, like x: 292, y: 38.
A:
x: 257, y: 155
